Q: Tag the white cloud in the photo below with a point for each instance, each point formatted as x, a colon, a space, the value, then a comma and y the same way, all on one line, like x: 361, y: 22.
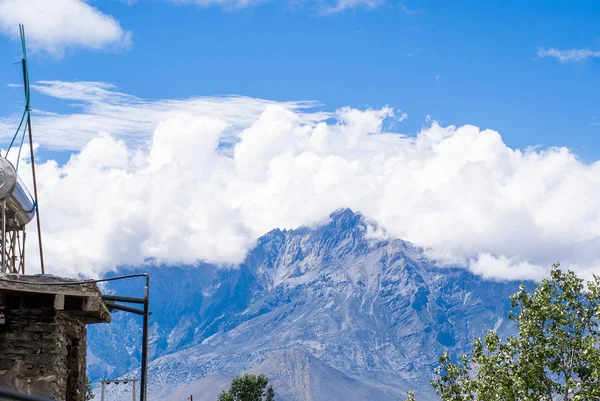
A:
x: 410, y: 11
x: 460, y: 192
x: 100, y: 108
x: 342, y: 5
x: 58, y: 25
x: 223, y: 3
x: 490, y: 266
x: 565, y: 56
x: 327, y: 7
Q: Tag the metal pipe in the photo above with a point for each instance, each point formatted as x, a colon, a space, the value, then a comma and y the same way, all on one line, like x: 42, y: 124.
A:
x: 111, y: 305
x: 144, y: 380
x: 124, y: 299
x: 23, y: 257
x: 133, y: 389
x: 4, y: 236
x: 35, y: 191
x: 14, y: 246
x: 102, y: 390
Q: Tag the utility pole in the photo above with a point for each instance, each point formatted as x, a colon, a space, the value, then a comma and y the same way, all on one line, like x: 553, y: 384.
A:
x: 118, y: 381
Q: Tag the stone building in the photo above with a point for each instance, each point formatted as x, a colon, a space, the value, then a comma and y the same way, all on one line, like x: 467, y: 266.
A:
x: 43, y: 334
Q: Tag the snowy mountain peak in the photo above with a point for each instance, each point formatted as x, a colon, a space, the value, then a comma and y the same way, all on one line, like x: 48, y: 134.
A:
x: 335, y: 301
x: 298, y: 256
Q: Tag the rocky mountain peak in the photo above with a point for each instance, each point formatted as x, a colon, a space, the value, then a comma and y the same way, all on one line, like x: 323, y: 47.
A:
x: 329, y: 301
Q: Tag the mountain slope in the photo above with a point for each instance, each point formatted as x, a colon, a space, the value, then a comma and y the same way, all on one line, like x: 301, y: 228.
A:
x: 352, y: 312
x: 297, y: 376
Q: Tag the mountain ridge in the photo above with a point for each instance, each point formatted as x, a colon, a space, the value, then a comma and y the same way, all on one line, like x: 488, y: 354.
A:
x: 372, y: 308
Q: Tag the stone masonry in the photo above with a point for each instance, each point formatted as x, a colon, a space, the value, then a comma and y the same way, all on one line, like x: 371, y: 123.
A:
x: 43, y: 337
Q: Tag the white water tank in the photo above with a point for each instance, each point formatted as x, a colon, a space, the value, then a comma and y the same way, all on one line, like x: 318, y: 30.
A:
x: 19, y: 202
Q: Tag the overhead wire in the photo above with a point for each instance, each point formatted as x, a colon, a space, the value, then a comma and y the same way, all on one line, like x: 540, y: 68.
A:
x: 27, y: 109
x: 20, y: 148
x: 100, y: 280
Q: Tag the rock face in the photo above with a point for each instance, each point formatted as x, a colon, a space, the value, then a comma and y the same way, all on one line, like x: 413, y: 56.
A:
x: 335, y: 312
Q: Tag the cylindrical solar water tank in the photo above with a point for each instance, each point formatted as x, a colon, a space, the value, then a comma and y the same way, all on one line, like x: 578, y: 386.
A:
x: 19, y: 202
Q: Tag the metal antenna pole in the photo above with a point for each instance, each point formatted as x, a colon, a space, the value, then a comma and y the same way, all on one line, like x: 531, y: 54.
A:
x: 133, y: 389
x: 102, y: 390
x: 35, y: 191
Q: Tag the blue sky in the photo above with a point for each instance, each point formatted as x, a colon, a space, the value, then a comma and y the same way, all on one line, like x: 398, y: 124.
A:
x: 131, y: 115
x: 461, y: 62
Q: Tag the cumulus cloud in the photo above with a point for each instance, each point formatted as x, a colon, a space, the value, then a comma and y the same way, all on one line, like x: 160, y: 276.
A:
x: 459, y: 192
x: 565, y: 56
x: 58, y: 25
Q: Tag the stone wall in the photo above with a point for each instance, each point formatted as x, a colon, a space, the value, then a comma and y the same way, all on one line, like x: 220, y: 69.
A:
x: 42, y: 350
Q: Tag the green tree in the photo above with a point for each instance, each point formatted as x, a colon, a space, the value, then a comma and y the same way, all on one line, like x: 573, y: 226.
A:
x: 89, y: 394
x: 555, y: 356
x: 248, y: 387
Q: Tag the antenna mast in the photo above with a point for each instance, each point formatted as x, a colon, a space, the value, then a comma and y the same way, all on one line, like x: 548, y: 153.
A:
x: 28, y: 111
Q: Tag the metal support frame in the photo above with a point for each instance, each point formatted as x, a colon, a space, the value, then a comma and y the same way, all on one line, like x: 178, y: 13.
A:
x: 144, y: 382
x: 109, y: 301
x: 12, y: 246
